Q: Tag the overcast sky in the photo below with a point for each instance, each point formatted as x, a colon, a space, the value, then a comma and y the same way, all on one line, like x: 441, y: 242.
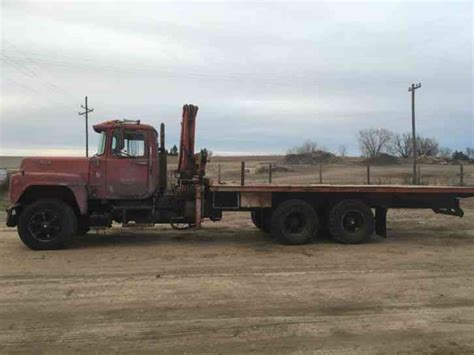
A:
x: 266, y: 76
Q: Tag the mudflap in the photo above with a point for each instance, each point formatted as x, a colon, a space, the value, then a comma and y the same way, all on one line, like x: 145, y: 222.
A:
x: 12, y: 216
x: 381, y: 221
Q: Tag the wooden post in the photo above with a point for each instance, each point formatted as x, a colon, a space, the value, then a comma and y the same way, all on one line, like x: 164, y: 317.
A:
x: 419, y: 175
x: 412, y: 89
x: 219, y: 174
x: 270, y: 173
x: 461, y: 174
x: 242, y: 173
x: 320, y: 173
x: 368, y: 174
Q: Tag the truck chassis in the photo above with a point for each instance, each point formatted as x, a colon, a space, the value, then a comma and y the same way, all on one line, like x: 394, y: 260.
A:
x: 345, y: 211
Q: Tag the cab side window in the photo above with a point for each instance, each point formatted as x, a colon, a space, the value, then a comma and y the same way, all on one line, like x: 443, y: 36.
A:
x: 130, y: 144
x: 134, y: 144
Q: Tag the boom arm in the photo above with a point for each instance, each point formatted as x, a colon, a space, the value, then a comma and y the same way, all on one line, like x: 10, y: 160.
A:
x: 186, y: 160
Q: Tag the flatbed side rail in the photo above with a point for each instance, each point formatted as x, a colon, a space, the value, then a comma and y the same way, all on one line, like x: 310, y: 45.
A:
x: 458, y: 191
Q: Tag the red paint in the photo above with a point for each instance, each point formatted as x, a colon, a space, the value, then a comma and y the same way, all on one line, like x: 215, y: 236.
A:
x: 115, y: 176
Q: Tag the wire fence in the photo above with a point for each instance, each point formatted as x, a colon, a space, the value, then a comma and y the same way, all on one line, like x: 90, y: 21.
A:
x: 252, y: 172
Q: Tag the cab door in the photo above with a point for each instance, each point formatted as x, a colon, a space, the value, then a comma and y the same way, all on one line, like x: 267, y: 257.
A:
x: 128, y: 165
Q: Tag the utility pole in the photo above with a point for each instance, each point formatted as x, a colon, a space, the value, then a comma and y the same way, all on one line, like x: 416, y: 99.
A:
x: 86, y: 112
x: 412, y: 89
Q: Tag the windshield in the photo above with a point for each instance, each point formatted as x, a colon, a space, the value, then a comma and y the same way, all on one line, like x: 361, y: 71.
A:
x: 101, y: 147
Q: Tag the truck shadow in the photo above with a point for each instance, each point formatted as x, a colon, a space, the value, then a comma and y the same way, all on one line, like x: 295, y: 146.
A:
x: 216, y: 236
x: 255, y: 239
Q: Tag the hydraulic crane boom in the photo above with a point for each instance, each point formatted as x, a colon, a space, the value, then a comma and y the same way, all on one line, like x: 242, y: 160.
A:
x: 186, y: 160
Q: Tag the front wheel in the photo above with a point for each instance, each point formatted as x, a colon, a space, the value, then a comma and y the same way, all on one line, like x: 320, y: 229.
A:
x: 294, y: 222
x: 47, y: 224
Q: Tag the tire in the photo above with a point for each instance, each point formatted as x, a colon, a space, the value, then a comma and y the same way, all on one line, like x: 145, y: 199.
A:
x: 47, y: 224
x: 261, y: 220
x: 351, y: 222
x: 294, y: 222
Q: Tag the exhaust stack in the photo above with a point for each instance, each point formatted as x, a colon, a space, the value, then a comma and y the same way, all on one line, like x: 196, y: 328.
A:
x: 163, y: 160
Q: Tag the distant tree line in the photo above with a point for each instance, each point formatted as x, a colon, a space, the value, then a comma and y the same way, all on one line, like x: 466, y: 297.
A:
x: 175, y: 152
x: 375, y: 141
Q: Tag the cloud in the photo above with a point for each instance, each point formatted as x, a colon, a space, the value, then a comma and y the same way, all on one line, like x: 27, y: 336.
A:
x: 265, y: 75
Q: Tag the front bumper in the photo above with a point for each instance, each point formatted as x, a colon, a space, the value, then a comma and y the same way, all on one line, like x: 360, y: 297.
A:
x: 12, y: 215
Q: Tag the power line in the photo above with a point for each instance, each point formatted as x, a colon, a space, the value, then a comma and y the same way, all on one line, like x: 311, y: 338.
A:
x: 271, y: 78
x: 22, y: 57
x: 33, y: 87
x: 31, y: 75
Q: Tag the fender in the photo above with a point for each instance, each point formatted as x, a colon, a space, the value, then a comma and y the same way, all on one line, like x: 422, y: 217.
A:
x: 19, y: 183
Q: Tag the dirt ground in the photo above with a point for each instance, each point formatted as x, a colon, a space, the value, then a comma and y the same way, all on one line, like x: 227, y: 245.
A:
x: 230, y: 288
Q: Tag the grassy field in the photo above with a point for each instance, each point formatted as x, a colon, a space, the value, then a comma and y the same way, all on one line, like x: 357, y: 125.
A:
x: 339, y: 173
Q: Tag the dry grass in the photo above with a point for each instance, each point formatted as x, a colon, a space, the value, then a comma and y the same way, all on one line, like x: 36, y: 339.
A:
x: 349, y: 172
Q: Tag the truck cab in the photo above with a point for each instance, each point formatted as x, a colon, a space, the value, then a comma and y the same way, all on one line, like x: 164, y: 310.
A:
x: 125, y: 165
x: 55, y: 198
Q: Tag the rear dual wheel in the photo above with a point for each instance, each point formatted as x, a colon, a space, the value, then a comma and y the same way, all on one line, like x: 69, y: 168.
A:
x: 294, y: 222
x: 351, y: 222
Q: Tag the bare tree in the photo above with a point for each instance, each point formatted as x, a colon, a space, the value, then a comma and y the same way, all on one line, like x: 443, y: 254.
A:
x: 470, y: 153
x: 402, y: 145
x: 427, y: 146
x: 445, y: 152
x: 374, y: 141
x: 342, y: 150
x: 308, y: 146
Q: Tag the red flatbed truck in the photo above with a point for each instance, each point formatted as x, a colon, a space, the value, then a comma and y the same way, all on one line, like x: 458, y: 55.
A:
x: 55, y: 199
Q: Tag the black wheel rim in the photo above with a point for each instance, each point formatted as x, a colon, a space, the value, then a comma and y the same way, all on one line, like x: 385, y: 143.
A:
x: 294, y: 223
x: 44, y: 225
x: 353, y: 221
